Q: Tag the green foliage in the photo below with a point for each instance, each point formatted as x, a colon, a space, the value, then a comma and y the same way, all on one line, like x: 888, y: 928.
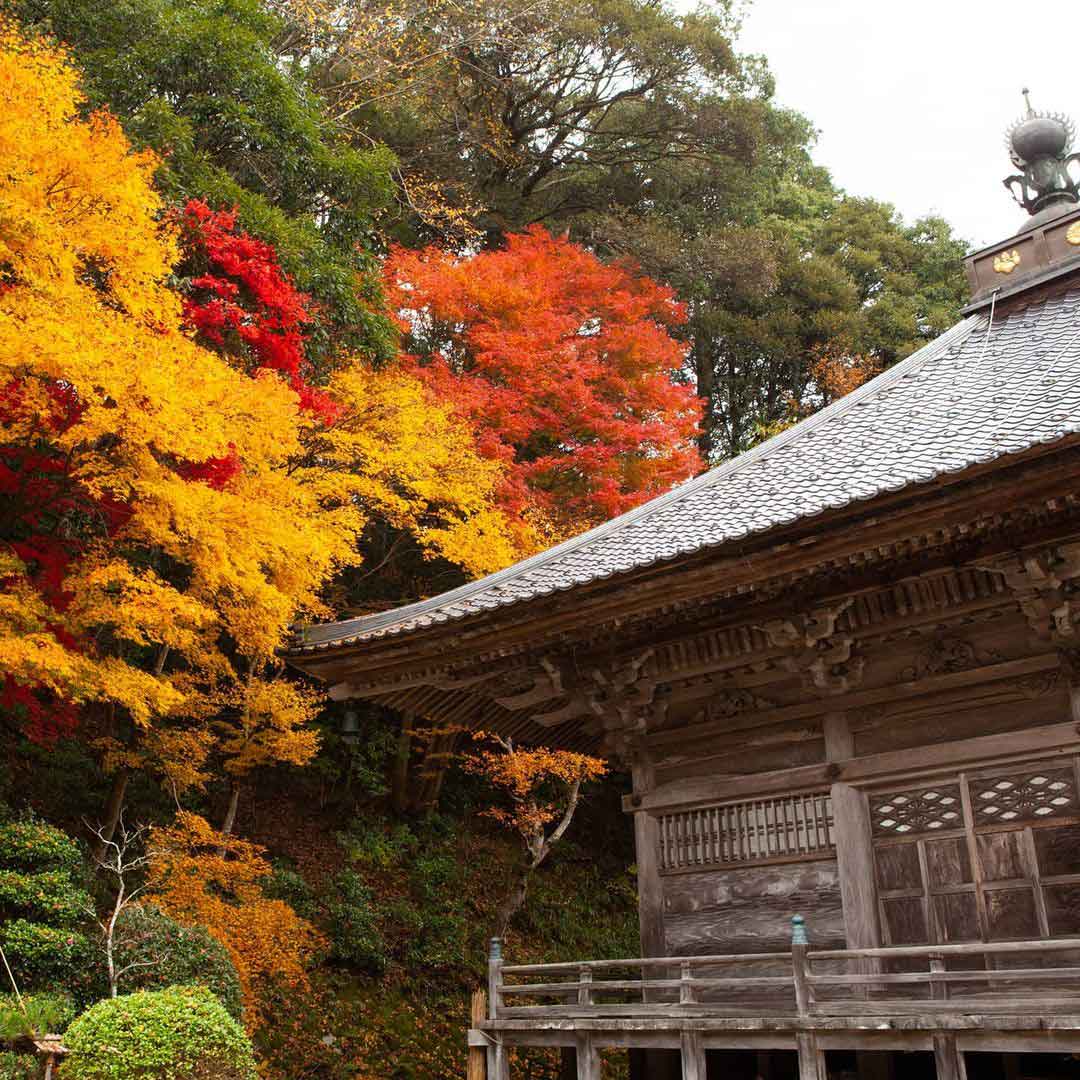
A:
x: 168, y: 954
x: 42, y: 905
x: 354, y: 922
x: 284, y: 883
x: 50, y: 895
x: 32, y: 845
x: 44, y: 955
x: 182, y: 1033
x: 19, y: 1066
x: 199, y: 82
x: 38, y: 1014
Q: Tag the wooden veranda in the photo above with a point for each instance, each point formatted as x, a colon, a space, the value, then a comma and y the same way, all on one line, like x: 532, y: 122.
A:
x: 1007, y: 997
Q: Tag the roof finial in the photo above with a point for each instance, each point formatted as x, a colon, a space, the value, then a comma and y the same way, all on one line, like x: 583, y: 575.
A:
x: 1039, y: 146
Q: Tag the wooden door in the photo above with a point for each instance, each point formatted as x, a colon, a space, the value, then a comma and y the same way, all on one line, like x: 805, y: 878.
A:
x: 988, y: 855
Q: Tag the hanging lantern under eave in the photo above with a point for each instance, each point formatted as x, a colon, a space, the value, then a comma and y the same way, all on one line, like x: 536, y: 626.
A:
x: 350, y: 726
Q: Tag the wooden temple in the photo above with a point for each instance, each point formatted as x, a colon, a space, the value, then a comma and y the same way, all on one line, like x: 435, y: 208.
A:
x: 844, y: 672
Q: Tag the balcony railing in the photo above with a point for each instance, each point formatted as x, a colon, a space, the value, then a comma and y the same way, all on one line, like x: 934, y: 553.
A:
x: 1035, y: 977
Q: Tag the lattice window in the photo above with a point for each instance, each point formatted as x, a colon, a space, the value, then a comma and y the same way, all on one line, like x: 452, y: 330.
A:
x: 922, y: 810
x: 790, y: 827
x: 1017, y: 798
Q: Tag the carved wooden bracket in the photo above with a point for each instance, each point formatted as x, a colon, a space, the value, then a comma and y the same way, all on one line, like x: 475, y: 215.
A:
x: 617, y: 696
x: 1046, y: 587
x: 814, y: 649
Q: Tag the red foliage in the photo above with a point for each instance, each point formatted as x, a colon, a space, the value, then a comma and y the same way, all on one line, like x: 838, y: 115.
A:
x: 244, y: 305
x: 564, y: 365
x: 41, y: 495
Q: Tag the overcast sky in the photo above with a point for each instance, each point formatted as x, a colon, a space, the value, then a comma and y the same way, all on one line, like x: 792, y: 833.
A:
x: 911, y: 97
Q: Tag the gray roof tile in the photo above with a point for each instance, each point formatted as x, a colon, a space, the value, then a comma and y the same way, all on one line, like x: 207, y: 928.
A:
x: 964, y: 399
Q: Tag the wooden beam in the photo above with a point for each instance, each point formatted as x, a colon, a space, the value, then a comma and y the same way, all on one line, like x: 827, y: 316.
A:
x: 892, y: 764
x: 1007, y: 669
x: 811, y: 1057
x: 948, y: 1060
x: 693, y: 1056
x: 588, y: 1058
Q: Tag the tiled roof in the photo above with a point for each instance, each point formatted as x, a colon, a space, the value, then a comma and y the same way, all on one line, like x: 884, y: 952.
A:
x: 977, y: 392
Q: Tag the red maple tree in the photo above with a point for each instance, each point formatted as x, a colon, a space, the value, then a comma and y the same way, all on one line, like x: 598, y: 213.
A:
x: 242, y: 303
x: 565, y: 366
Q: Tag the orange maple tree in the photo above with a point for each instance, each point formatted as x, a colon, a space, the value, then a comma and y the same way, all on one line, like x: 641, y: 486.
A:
x: 566, y: 367
x: 541, y: 787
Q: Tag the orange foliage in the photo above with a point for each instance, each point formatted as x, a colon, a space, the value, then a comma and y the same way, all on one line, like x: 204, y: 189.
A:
x: 202, y: 877
x: 836, y: 372
x: 541, y: 785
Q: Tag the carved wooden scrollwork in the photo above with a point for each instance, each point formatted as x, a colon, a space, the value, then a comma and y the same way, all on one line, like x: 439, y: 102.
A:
x: 825, y: 658
x: 1046, y: 586
x: 946, y: 655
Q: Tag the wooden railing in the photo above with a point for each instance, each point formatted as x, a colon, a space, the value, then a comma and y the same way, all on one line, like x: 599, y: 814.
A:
x: 802, y: 982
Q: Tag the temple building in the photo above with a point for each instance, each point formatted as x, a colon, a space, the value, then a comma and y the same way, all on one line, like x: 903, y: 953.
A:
x: 843, y: 670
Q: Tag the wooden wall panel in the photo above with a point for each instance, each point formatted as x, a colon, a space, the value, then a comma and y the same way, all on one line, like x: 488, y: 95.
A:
x: 935, y: 723
x: 743, y: 761
x: 749, y: 909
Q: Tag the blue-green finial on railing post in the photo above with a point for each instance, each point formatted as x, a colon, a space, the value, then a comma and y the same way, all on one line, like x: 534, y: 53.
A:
x: 495, y: 963
x: 798, y: 931
x: 799, y: 972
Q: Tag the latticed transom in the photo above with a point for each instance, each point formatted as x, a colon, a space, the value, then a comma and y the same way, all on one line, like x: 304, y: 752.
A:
x: 928, y: 809
x: 1023, y: 797
x: 795, y: 826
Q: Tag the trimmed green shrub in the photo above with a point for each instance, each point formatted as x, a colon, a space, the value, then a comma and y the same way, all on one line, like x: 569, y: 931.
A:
x: 50, y: 895
x: 42, y: 905
x: 44, y: 955
x: 182, y: 1033
x: 177, y: 956
x: 32, y: 845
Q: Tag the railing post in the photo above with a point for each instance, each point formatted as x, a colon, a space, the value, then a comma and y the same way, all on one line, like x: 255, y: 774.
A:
x: 477, y: 1056
x: 584, y: 994
x: 495, y: 963
x: 799, y: 945
x: 686, y: 990
x: 938, y: 990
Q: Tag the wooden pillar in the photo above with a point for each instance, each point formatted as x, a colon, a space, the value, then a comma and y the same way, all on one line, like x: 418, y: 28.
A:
x: 588, y: 1058
x: 855, y: 861
x: 693, y: 1056
x: 948, y: 1060
x: 647, y: 854
x: 399, y: 769
x: 811, y: 1058
x: 498, y: 1062
x: 477, y: 1015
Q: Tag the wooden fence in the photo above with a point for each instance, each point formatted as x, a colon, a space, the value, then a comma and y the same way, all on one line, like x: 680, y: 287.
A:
x: 1038, y: 977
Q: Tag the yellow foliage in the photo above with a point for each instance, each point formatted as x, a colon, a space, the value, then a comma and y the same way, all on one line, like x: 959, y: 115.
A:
x: 398, y: 453
x: 188, y: 565
x: 272, y: 726
x: 201, y: 877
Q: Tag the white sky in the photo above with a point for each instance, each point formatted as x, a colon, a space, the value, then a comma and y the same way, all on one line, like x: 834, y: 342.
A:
x: 911, y: 97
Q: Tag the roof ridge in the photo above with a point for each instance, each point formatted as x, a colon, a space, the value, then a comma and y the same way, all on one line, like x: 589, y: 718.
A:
x: 380, y: 620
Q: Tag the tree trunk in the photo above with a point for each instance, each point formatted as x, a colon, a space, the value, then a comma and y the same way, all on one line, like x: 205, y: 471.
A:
x: 513, y: 903
x: 230, y: 814
x: 114, y: 806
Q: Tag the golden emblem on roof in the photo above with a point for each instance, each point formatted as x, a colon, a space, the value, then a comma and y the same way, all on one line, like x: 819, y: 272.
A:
x: 1006, y: 262
x: 1072, y: 234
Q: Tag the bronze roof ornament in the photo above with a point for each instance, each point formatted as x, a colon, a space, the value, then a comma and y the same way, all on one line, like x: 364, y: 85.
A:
x: 1040, y: 146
